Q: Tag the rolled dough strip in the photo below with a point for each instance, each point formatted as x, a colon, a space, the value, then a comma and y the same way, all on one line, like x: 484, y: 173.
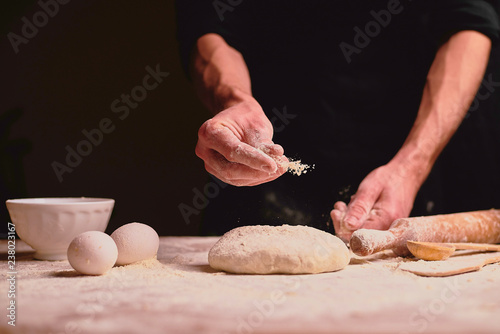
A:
x: 477, y: 226
x: 451, y: 266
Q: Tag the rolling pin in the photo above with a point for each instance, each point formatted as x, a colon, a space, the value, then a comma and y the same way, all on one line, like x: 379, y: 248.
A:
x: 477, y: 226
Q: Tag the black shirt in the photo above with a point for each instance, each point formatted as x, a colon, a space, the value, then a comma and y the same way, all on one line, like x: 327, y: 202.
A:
x: 341, y: 82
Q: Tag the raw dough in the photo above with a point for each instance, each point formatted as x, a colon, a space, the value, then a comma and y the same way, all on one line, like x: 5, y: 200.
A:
x: 278, y: 249
x: 460, y: 262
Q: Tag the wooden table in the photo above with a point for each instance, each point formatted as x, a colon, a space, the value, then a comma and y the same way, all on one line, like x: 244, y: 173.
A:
x: 180, y: 293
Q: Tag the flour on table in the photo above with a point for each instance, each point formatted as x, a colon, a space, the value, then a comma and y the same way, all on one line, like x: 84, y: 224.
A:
x: 278, y: 249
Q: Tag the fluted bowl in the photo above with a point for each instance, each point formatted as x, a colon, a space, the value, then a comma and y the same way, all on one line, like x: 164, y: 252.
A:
x: 48, y: 225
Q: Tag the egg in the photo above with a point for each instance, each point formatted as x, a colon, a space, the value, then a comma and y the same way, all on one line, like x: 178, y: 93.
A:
x: 135, y: 242
x: 92, y: 253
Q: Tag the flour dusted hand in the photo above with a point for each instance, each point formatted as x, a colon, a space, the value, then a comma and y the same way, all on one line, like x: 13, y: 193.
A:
x: 278, y: 250
x: 236, y: 146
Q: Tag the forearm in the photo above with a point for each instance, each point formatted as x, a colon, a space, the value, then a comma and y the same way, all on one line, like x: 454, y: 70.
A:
x: 452, y: 83
x: 236, y: 144
x: 219, y: 73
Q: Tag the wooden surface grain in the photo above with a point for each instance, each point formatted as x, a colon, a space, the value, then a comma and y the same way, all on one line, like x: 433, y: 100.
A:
x: 180, y: 293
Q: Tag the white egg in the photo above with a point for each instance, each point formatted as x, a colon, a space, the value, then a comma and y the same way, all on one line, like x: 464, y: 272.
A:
x: 135, y: 242
x: 92, y: 253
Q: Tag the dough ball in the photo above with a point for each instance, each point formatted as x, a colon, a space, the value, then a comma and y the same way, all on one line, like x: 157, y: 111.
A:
x: 278, y: 250
x: 135, y: 242
x: 92, y: 253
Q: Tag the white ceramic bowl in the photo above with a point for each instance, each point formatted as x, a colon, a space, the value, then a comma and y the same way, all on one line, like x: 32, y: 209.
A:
x: 49, y: 225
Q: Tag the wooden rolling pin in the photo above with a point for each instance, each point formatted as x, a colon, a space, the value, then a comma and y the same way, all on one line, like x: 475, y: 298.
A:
x: 477, y: 226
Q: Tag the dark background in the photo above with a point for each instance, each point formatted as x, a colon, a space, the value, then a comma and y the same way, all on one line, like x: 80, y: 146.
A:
x: 64, y: 80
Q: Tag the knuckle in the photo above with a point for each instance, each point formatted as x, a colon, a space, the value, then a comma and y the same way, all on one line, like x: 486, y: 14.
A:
x: 208, y: 129
x: 233, y: 154
x: 339, y: 206
x: 199, y: 151
x: 344, y: 236
x: 390, y: 214
x: 394, y: 214
x: 203, y: 129
x: 358, y: 211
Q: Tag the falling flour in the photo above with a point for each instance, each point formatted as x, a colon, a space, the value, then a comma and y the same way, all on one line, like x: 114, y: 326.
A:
x: 297, y: 167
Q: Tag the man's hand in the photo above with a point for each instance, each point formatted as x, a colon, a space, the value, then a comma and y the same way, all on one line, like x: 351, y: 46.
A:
x: 237, y: 146
x: 386, y: 194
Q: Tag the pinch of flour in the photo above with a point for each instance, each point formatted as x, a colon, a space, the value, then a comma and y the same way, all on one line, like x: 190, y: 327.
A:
x: 296, y: 167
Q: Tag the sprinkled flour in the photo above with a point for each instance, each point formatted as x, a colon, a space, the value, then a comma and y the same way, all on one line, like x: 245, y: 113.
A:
x: 180, y: 293
x: 297, y: 167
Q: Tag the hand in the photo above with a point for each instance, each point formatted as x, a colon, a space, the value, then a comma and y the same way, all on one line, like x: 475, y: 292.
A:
x: 386, y: 194
x: 237, y: 146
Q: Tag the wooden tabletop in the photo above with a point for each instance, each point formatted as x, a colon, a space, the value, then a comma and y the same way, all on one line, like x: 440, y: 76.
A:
x: 180, y: 293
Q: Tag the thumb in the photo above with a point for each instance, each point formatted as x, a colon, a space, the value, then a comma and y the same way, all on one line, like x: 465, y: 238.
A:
x: 359, y: 208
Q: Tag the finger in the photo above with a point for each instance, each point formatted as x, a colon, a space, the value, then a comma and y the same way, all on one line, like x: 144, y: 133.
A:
x: 248, y: 182
x: 337, y: 214
x: 223, y: 140
x: 341, y: 206
x: 235, y: 173
x: 359, y: 208
x: 376, y: 220
x: 380, y: 218
x: 254, y: 182
x: 232, y: 172
x: 272, y: 149
x: 282, y: 162
x: 345, y: 235
x: 337, y: 217
x: 218, y: 165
